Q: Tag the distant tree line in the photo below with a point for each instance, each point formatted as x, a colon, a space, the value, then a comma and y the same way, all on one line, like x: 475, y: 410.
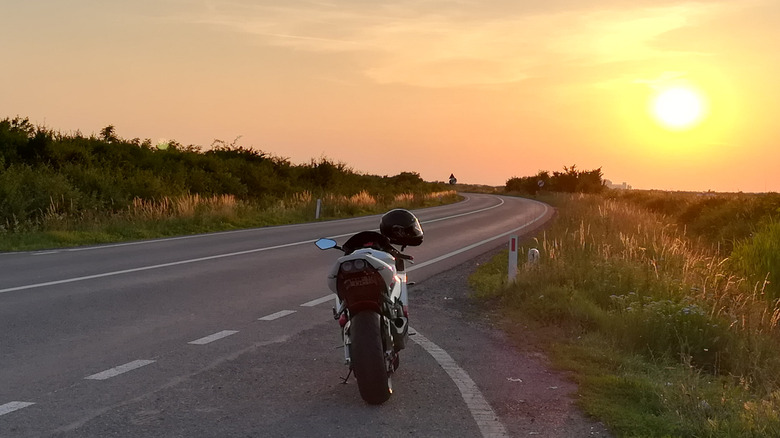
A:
x: 39, y: 166
x: 571, y: 180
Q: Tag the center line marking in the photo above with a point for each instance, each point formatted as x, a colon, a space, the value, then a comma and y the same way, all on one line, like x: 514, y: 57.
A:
x: 277, y: 315
x: 107, y: 374
x: 319, y: 301
x: 13, y: 406
x: 214, y: 337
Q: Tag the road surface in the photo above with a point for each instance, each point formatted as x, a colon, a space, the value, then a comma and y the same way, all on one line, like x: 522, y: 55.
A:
x: 231, y: 334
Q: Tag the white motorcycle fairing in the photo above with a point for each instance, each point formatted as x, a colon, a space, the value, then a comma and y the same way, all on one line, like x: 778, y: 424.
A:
x: 384, y: 264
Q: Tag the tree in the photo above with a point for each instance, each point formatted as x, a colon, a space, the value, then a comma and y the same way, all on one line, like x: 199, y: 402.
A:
x: 108, y: 134
x: 570, y: 180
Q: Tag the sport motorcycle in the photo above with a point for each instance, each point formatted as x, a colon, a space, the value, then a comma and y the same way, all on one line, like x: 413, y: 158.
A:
x: 370, y: 284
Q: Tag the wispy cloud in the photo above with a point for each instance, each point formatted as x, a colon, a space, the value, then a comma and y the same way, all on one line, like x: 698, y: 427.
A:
x: 441, y: 44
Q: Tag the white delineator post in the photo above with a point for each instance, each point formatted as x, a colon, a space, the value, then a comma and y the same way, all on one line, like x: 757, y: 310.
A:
x: 533, y: 256
x: 319, y: 208
x: 512, y: 268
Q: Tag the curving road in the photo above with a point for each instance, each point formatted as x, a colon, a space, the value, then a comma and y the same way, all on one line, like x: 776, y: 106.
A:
x: 228, y: 334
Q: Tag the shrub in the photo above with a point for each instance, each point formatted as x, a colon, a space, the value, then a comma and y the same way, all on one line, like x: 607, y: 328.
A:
x: 26, y: 194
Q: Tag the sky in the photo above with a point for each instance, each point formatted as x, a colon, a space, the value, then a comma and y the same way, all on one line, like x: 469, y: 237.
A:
x: 484, y: 90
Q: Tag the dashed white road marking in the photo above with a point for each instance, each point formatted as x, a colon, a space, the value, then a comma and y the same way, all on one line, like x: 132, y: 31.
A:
x: 486, y: 419
x: 211, y: 338
x: 480, y: 409
x: 113, y: 372
x: 277, y: 315
x: 13, y: 406
x: 319, y: 301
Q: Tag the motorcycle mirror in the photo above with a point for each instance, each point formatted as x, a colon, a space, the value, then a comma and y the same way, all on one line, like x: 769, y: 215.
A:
x: 325, y: 243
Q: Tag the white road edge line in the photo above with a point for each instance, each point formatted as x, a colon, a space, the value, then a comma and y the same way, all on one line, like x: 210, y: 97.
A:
x: 146, y: 268
x: 201, y: 259
x: 277, y: 315
x: 319, y: 301
x: 215, y: 337
x: 197, y: 236
x: 13, y: 406
x: 121, y: 369
x: 194, y: 236
x: 487, y: 420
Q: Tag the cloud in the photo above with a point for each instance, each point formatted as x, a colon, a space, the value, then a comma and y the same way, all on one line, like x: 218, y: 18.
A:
x: 746, y: 27
x: 449, y: 44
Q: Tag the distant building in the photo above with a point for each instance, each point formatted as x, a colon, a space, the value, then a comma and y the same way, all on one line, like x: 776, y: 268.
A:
x: 623, y: 186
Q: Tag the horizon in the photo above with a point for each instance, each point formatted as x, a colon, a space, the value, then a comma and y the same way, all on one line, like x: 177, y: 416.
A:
x: 484, y: 91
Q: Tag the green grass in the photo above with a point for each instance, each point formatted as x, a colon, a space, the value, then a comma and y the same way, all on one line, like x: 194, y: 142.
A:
x: 183, y: 216
x: 662, y: 333
x: 759, y: 259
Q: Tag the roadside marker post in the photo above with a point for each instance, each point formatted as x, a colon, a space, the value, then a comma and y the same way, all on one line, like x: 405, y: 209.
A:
x: 533, y: 256
x: 319, y: 208
x: 512, y: 268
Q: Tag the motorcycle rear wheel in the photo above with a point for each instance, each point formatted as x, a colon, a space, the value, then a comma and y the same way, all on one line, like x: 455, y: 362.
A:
x: 368, y: 358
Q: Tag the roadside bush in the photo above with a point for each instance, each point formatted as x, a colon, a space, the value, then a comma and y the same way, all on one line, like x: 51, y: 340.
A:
x: 26, y: 195
x: 54, y: 184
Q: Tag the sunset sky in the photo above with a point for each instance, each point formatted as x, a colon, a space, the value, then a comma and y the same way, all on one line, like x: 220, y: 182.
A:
x: 486, y: 90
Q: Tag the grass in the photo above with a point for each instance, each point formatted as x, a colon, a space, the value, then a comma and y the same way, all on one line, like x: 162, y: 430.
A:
x: 759, y: 258
x: 190, y: 214
x: 662, y: 333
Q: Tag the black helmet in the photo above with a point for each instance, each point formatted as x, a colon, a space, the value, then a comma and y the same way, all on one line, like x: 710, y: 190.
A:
x: 401, y: 227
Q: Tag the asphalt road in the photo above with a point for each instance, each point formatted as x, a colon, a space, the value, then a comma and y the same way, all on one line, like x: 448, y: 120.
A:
x: 230, y: 334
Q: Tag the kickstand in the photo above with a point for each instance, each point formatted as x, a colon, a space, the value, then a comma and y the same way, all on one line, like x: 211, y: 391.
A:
x: 344, y: 381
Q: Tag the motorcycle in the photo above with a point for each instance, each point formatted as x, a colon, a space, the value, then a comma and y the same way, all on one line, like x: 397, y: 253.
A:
x: 370, y: 283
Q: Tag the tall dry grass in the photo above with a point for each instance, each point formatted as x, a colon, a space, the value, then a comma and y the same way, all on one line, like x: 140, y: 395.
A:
x: 611, y: 269
x: 186, y: 206
x: 422, y: 198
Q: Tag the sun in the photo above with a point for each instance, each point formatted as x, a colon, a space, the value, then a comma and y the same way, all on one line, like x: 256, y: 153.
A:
x: 678, y: 108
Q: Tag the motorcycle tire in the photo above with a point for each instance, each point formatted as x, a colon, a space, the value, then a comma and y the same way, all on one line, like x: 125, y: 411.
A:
x: 368, y: 358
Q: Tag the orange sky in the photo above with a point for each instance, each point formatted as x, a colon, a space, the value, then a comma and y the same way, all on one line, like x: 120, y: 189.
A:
x: 486, y: 90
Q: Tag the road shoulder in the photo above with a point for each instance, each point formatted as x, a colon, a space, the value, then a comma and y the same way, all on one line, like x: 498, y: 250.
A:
x: 530, y: 398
